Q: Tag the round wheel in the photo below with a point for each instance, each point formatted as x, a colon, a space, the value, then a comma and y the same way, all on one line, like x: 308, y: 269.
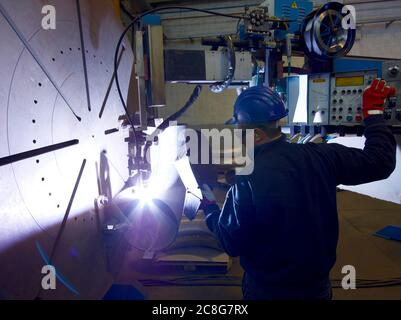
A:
x: 324, y: 34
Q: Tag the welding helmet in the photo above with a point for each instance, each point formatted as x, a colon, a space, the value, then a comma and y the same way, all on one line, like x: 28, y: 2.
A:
x: 258, y: 105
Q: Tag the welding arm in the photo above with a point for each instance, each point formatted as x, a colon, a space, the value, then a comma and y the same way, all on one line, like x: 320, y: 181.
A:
x: 233, y: 225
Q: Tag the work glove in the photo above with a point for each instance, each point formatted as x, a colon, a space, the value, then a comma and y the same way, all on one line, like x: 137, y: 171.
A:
x: 208, y: 197
x: 374, y: 97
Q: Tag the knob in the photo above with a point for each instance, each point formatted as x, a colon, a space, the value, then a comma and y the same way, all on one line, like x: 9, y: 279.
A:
x: 393, y: 71
x: 350, y: 118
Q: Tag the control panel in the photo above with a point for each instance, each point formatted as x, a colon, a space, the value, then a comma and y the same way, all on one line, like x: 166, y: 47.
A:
x: 391, y: 72
x: 346, y: 97
x: 318, y: 99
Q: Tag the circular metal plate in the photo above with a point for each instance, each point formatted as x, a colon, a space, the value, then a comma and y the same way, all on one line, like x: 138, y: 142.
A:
x: 35, y: 192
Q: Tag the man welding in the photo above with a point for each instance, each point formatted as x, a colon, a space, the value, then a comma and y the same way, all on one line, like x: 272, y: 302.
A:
x: 282, y: 219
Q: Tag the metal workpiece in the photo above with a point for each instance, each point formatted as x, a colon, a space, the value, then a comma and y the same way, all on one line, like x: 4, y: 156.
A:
x: 48, y: 79
x: 153, y: 207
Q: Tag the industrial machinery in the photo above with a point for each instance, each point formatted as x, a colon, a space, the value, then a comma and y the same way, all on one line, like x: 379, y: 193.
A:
x: 333, y: 101
x: 319, y: 96
x: 266, y: 35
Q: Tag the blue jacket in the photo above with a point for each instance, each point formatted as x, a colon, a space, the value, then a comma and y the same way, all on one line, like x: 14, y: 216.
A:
x: 282, y: 219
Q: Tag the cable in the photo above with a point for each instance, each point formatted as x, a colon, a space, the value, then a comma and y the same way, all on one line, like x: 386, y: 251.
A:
x: 192, y: 99
x: 197, y: 10
x: 221, y: 86
x: 280, y: 20
x: 125, y: 10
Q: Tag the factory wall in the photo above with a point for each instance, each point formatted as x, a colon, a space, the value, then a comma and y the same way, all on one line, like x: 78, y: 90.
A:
x: 378, y: 29
x: 388, y: 189
x: 210, y: 109
x: 379, y: 41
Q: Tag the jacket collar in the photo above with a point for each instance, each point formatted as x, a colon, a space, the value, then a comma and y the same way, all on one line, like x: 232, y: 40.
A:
x: 271, y: 145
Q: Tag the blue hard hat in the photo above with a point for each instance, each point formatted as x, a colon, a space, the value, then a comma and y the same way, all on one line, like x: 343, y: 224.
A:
x: 258, y: 105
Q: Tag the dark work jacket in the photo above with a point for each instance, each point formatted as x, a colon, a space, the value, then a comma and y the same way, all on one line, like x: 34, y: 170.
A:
x: 282, y: 219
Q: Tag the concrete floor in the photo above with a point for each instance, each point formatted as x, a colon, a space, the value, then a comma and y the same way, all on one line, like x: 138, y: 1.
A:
x: 373, y: 258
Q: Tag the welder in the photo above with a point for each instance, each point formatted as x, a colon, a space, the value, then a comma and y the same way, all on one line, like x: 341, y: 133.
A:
x: 281, y: 220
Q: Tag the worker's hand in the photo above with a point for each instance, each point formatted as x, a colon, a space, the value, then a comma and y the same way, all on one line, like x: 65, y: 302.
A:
x: 208, y: 197
x: 374, y: 97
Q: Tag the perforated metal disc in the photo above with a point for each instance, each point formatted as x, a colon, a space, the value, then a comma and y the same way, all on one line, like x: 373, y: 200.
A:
x: 34, y: 193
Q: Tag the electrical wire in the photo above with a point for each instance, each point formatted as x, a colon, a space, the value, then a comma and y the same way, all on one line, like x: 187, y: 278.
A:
x: 221, y: 86
x: 192, y: 99
x: 280, y: 20
x: 126, y: 11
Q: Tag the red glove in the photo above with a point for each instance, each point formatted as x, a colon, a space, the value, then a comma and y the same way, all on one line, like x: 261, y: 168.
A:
x: 374, y: 97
